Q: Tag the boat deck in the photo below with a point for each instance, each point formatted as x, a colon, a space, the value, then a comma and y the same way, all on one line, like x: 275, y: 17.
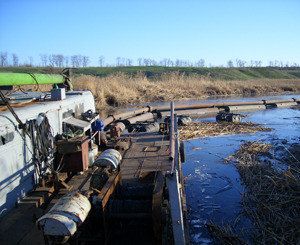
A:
x: 147, y: 154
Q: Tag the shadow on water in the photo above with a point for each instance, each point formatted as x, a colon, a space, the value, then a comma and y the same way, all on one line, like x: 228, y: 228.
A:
x: 213, y: 188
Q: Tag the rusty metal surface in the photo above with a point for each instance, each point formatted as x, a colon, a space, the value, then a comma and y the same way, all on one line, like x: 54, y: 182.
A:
x: 110, y: 157
x: 148, y: 153
x: 65, y: 216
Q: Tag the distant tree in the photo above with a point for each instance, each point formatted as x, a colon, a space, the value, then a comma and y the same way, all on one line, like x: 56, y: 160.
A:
x: 59, y: 60
x: 30, y: 60
x: 74, y: 61
x: 85, y: 61
x: 146, y: 62
x: 101, y: 61
x: 15, y: 60
x: 118, y: 61
x: 140, y: 61
x: 271, y: 63
x: 66, y: 60
x: 258, y: 63
x: 44, y: 59
x: 51, y: 59
x: 230, y: 63
x: 200, y: 63
x: 240, y: 63
x: 129, y: 62
x: 3, y: 59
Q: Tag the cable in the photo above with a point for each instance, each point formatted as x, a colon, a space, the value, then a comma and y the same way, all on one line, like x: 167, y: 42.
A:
x: 34, y: 78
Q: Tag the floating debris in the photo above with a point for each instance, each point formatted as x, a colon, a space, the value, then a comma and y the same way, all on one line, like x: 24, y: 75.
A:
x: 205, y: 129
x: 271, y: 198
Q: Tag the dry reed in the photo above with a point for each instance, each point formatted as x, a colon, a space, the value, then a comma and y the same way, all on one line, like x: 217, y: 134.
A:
x: 205, y: 129
x: 121, y: 89
x: 272, y: 197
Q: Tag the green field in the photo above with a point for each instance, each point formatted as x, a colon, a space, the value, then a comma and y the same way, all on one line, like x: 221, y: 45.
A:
x: 155, y: 72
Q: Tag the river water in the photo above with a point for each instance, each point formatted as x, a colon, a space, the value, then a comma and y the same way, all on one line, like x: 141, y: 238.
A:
x: 213, y: 188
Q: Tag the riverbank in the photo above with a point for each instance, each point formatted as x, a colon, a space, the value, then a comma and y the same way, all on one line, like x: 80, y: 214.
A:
x: 121, y: 90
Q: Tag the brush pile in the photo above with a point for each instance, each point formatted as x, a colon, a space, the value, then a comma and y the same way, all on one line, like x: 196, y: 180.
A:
x: 206, y: 129
x: 272, y: 195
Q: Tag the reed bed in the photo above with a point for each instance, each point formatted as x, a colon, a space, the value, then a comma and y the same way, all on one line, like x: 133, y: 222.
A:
x: 272, y: 194
x: 205, y: 129
x: 121, y: 89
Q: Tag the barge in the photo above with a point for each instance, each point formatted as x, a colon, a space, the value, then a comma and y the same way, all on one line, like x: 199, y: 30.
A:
x: 66, y: 180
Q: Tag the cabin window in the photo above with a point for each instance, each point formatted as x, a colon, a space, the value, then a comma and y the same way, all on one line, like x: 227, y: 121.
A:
x: 6, y: 138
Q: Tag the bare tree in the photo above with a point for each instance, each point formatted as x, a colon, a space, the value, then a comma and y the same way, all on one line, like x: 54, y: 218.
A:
x: 66, y: 59
x: 30, y: 60
x: 258, y: 63
x: 101, y: 61
x: 51, y: 59
x: 230, y: 63
x: 118, y: 59
x: 3, y: 59
x: 146, y: 62
x: 200, y: 63
x: 76, y: 60
x: 44, y: 59
x: 15, y: 60
x: 140, y: 60
x: 240, y: 63
x: 59, y: 60
x: 85, y: 61
x: 177, y: 62
x: 129, y: 62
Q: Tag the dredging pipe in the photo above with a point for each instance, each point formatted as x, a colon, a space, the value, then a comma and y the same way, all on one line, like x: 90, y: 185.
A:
x: 205, y: 112
x: 140, y: 118
x: 15, y: 79
x: 125, y: 115
x: 211, y: 105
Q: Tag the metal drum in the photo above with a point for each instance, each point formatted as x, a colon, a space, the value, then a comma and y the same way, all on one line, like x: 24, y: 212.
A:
x: 109, y: 157
x: 65, y: 216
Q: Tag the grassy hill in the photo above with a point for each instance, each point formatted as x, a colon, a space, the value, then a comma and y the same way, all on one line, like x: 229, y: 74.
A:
x: 154, y: 72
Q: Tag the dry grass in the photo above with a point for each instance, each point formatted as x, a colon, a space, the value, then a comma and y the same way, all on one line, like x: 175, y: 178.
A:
x: 206, y: 129
x: 121, y: 89
x: 272, y: 197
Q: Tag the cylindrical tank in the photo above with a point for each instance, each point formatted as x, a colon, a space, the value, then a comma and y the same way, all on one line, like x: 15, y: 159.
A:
x: 65, y: 216
x: 110, y: 157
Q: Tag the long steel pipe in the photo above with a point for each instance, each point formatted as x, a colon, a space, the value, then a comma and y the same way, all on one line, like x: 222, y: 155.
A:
x: 125, y: 115
x: 140, y: 118
x: 204, y: 112
x: 184, y: 107
x: 12, y: 79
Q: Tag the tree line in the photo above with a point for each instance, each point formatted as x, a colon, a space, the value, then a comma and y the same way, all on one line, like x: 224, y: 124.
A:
x: 59, y: 60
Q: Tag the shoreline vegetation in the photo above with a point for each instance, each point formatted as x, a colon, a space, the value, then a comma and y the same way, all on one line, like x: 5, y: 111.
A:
x: 123, y: 86
x: 120, y: 90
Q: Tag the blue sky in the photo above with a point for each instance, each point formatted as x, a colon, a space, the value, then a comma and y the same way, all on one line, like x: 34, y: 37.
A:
x: 214, y: 30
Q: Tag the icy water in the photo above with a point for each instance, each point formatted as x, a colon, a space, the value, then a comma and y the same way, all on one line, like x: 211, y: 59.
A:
x: 213, y: 188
